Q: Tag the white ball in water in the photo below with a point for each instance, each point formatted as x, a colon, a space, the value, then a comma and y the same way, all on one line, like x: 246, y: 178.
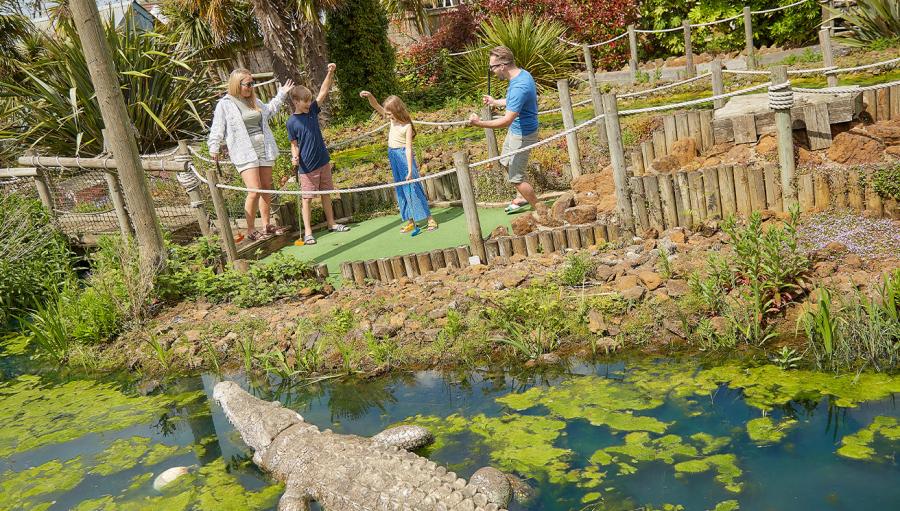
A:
x: 168, y: 477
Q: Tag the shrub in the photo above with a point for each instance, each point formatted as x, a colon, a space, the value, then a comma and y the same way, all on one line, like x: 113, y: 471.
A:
x: 534, y: 44
x: 424, y: 67
x: 793, y: 26
x: 577, y: 270
x: 532, y: 320
x: 358, y: 43
x: 584, y: 21
x: 871, y: 21
x: 886, y: 182
x: 167, y: 98
x: 34, y: 256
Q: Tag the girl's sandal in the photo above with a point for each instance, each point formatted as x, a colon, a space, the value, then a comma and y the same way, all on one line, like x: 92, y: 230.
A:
x: 408, y: 228
x: 276, y: 231
x: 432, y: 225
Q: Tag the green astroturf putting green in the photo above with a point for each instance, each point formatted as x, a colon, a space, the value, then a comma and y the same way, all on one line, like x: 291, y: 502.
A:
x: 381, y: 237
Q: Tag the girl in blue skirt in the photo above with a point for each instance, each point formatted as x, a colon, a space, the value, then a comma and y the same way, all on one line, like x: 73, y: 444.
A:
x: 410, y: 197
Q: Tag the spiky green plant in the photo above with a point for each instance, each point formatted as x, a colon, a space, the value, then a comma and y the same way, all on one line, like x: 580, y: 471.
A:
x: 56, y: 111
x: 535, y: 45
x: 870, y: 21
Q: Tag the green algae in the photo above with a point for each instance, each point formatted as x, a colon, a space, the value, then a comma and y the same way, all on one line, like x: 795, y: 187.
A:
x: 139, y: 481
x: 727, y: 471
x: 23, y: 490
x: 161, y: 452
x: 859, y: 445
x: 600, y: 401
x: 122, y: 454
x: 766, y: 387
x: 34, y: 414
x: 443, y: 429
x: 524, y: 444
x: 764, y: 430
x: 727, y: 505
x: 591, y: 497
x: 213, y: 488
x: 708, y: 443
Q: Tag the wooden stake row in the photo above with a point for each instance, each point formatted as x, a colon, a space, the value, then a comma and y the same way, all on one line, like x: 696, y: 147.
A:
x: 686, y: 199
x: 677, y: 126
x: 497, y: 249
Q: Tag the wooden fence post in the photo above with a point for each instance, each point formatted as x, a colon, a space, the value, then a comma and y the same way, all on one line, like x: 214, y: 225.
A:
x: 785, y: 136
x: 827, y: 55
x: 617, y: 157
x: 596, y: 100
x: 748, y: 39
x: 222, y: 220
x: 42, y: 184
x: 476, y: 242
x: 632, y: 45
x: 115, y: 195
x: 489, y: 134
x: 689, y: 70
x: 184, y: 154
x: 718, y: 83
x: 568, y: 115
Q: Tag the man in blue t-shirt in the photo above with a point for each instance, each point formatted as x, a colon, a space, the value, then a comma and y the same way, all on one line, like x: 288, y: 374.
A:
x: 309, y: 155
x: 522, y: 119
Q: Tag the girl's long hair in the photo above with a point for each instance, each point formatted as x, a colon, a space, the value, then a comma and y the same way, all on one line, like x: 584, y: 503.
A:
x: 234, y: 87
x: 398, y: 109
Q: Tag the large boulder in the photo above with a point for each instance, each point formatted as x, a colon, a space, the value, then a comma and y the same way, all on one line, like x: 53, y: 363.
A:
x: 855, y: 147
x: 580, y: 214
x: 588, y: 182
x: 666, y: 163
x: 563, y: 202
x: 767, y: 145
x: 685, y: 150
x: 888, y: 132
x: 524, y: 224
x: 499, y: 232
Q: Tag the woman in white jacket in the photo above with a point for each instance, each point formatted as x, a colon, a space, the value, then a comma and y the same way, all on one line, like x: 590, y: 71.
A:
x: 242, y: 121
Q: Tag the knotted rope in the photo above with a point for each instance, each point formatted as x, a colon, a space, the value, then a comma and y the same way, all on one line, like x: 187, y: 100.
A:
x: 781, y: 96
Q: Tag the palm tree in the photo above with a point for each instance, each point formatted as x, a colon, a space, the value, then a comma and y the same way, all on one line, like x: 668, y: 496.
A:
x: 398, y: 9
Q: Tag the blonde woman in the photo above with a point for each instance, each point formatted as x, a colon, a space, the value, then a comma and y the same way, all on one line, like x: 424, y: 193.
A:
x: 242, y: 121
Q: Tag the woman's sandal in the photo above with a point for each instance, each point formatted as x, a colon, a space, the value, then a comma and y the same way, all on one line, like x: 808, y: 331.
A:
x: 339, y: 228
x: 309, y: 239
x: 276, y: 231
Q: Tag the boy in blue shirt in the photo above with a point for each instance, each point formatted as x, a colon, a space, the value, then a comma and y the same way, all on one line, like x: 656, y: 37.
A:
x: 309, y: 154
x: 522, y: 119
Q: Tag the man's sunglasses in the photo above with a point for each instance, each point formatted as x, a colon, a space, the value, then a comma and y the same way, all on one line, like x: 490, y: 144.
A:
x: 494, y: 66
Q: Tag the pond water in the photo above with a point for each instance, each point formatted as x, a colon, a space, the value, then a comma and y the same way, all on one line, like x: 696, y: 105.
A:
x: 616, y: 436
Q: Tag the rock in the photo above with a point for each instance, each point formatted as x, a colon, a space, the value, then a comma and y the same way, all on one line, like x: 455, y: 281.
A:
x: 588, y: 182
x: 824, y: 269
x: 676, y: 288
x: 168, y: 477
x: 579, y: 215
x: 808, y: 158
x: 627, y: 282
x: 737, y: 154
x: 712, y: 161
x: 513, y: 278
x: 306, y: 291
x: 548, y: 359
x: 853, y: 261
x: 545, y: 218
x: 684, y: 150
x: 888, y: 132
x: 709, y: 228
x: 607, y: 344
x: 855, y: 147
x: 719, y: 325
x: 767, y: 145
x: 493, y: 484
x: 835, y: 248
x: 596, y: 323
x: 666, y: 163
x: 384, y: 328
x: 192, y: 336
x: 524, y: 224
x: 562, y: 203
x: 499, y: 232
x: 678, y: 236
x: 634, y: 293
x: 675, y: 327
x: 604, y: 273
x: 893, y: 151
x: 651, y: 279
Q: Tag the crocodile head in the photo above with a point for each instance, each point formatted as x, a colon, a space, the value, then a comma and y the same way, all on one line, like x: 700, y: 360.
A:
x: 258, y: 421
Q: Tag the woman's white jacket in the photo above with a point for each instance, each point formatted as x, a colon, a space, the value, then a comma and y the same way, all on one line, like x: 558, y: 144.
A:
x: 228, y: 125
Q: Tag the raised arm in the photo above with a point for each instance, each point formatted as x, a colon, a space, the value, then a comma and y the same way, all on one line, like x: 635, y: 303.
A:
x: 326, y: 84
x: 273, y: 106
x: 373, y: 102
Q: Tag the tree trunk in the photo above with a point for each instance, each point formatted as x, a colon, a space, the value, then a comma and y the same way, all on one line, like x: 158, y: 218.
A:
x: 121, y: 135
x: 279, y: 29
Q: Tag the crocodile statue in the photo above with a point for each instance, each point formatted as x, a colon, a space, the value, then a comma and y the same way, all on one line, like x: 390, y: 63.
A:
x: 348, y: 472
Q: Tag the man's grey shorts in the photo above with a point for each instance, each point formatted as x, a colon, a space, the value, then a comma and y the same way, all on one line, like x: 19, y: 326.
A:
x: 517, y: 163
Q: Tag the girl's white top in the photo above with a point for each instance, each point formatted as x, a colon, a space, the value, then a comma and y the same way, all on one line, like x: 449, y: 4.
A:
x: 397, y: 135
x: 228, y: 125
